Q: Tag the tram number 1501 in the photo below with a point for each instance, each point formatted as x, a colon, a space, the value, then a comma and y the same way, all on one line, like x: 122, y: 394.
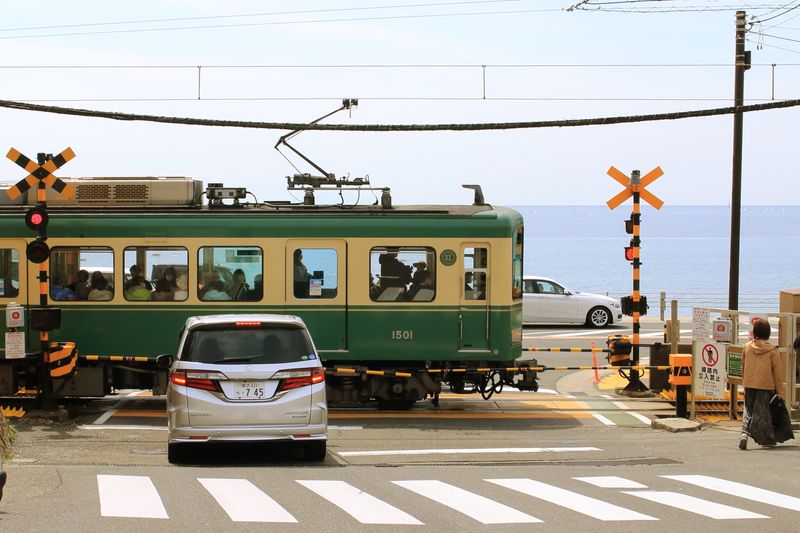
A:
x: 402, y: 335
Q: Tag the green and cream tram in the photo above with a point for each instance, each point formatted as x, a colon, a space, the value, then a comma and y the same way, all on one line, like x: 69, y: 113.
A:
x: 396, y: 298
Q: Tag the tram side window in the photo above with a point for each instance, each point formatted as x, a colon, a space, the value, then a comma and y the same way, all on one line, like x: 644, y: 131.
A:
x: 315, y: 273
x: 402, y: 274
x: 156, y: 273
x: 82, y: 273
x: 476, y: 270
x: 230, y: 273
x: 516, y: 264
x: 9, y: 279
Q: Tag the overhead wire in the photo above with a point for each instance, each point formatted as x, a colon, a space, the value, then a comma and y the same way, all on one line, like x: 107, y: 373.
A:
x: 287, y: 22
x: 483, y: 126
x: 250, y: 15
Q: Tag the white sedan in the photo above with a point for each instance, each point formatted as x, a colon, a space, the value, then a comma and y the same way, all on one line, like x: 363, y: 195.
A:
x: 547, y: 302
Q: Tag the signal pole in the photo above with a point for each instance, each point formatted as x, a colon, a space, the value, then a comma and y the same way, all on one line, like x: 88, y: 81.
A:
x: 43, y: 317
x: 742, y: 64
x: 634, y: 385
x: 635, y: 187
x: 45, y: 382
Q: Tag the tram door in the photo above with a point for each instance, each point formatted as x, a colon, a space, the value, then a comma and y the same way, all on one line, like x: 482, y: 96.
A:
x: 474, y: 303
x: 316, y: 289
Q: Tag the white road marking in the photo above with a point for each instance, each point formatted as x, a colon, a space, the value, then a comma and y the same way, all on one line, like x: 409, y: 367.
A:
x: 244, y: 502
x: 584, y: 333
x: 611, y: 482
x: 482, y: 509
x: 741, y: 490
x: 363, y: 507
x: 699, y: 506
x: 620, y: 405
x: 571, y: 500
x: 346, y: 428
x: 129, y: 497
x: 114, y: 408
x: 603, y: 419
x: 451, y: 451
x: 154, y: 428
x: 643, y: 419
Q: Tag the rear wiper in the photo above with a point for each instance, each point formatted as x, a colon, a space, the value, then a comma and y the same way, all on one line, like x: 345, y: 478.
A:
x: 234, y: 359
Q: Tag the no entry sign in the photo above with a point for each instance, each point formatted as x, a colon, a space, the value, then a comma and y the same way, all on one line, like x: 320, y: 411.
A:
x: 711, y: 377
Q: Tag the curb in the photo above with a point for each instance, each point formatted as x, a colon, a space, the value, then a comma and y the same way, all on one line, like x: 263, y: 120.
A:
x: 675, y: 425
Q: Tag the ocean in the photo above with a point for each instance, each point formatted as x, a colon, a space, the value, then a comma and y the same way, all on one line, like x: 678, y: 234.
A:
x: 685, y: 252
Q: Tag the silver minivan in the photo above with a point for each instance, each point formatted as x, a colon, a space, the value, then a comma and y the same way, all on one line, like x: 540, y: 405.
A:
x: 245, y: 378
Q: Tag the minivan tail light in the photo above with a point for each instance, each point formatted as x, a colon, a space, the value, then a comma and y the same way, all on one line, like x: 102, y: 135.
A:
x: 293, y: 379
x: 198, y: 379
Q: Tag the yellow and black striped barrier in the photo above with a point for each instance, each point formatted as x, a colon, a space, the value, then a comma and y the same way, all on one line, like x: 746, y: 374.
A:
x: 118, y: 358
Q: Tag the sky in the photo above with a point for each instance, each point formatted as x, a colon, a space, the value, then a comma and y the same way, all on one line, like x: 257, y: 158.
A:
x: 408, y: 62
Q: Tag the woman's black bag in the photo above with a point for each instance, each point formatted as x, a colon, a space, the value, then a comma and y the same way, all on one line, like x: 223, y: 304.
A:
x: 780, y: 419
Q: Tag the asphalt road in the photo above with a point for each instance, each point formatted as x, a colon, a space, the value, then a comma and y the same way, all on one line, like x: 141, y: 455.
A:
x: 574, y: 456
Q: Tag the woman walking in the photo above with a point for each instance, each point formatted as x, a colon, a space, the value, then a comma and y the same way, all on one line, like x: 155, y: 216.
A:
x: 762, y: 379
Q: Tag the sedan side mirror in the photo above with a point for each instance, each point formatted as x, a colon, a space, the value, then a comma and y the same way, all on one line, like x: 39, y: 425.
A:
x: 164, y: 361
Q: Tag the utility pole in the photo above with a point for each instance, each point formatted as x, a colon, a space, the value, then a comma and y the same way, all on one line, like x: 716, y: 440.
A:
x: 742, y: 64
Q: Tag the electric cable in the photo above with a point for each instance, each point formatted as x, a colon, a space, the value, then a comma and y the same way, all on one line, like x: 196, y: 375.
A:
x: 481, y: 126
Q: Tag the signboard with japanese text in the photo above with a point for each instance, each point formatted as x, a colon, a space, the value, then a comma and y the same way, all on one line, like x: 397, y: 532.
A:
x: 734, y: 365
x: 701, y: 324
x: 15, y: 345
x: 711, y: 375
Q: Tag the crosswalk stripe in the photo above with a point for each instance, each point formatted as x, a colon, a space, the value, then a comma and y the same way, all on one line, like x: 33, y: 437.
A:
x: 452, y: 451
x: 603, y: 419
x: 741, y: 490
x: 129, y: 497
x: 699, y: 506
x: 571, y: 500
x: 611, y: 482
x: 244, y: 502
x: 363, y: 507
x: 482, y: 509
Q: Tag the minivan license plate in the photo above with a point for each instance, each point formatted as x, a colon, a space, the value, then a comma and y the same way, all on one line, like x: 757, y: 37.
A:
x: 248, y: 390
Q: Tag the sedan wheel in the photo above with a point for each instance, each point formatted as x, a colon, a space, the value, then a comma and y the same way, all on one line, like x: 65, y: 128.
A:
x: 599, y: 317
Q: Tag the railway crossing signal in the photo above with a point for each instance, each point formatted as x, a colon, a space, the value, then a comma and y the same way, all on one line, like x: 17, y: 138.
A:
x: 41, y: 174
x: 635, y: 188
x: 43, y: 318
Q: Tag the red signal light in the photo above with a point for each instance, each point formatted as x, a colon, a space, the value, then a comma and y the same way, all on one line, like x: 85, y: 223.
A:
x: 36, y: 218
x: 629, y: 253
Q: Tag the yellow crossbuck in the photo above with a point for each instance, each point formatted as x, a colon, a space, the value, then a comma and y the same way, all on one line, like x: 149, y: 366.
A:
x: 40, y: 173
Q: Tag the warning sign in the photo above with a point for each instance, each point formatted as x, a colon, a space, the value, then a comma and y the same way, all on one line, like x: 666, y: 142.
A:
x: 15, y: 345
x: 721, y: 330
x: 711, y: 377
x: 701, y: 324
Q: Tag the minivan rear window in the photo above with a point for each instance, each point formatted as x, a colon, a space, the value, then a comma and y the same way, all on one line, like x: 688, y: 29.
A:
x: 247, y: 345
